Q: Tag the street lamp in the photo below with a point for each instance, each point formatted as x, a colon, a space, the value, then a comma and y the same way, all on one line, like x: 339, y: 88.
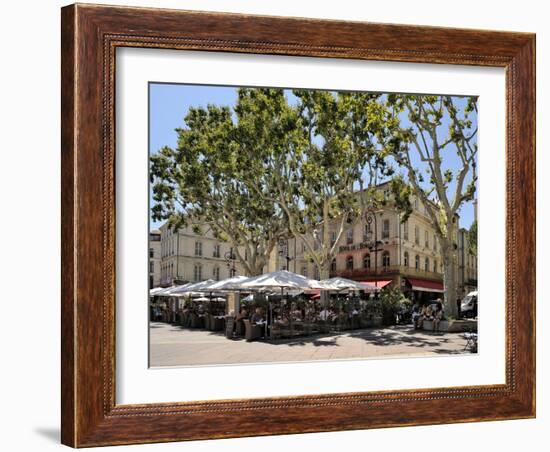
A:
x: 287, y: 257
x: 229, y: 257
x: 370, y: 217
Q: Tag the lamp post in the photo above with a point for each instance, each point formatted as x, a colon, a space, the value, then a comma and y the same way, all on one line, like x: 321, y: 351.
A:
x: 229, y: 257
x: 285, y: 252
x: 370, y: 216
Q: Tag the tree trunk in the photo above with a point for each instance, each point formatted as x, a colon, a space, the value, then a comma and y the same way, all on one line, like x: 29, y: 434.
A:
x: 324, y: 273
x: 450, y: 278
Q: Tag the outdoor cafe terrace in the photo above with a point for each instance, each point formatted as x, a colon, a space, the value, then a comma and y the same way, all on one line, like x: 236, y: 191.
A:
x: 275, y: 305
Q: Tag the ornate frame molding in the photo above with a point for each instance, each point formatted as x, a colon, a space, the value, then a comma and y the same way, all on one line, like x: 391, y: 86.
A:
x: 90, y: 36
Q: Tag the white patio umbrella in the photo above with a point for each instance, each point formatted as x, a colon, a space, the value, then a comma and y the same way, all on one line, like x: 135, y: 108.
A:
x: 348, y: 284
x: 228, y: 284
x: 283, y: 279
x: 233, y: 283
x: 192, y: 287
x: 342, y: 284
x: 168, y: 291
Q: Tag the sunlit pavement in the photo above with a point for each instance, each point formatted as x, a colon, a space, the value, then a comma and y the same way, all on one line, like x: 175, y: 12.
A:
x: 172, y: 345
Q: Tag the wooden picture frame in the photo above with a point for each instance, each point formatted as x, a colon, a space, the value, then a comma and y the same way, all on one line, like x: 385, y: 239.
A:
x: 90, y: 36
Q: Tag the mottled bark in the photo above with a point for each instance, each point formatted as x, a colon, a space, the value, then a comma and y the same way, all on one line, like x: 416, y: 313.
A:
x: 449, y: 255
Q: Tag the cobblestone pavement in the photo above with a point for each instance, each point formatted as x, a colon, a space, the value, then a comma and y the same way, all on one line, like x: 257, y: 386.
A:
x: 172, y: 345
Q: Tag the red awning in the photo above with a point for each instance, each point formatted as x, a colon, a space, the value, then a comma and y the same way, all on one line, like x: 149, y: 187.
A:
x: 379, y: 284
x: 313, y: 293
x: 424, y: 285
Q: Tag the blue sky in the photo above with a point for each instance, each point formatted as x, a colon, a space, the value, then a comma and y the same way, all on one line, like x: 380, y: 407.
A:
x: 169, y: 103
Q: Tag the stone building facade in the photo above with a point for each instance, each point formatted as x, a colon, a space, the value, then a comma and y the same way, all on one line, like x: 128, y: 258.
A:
x: 154, y: 258
x: 383, y: 251
x: 406, y: 254
x: 187, y: 256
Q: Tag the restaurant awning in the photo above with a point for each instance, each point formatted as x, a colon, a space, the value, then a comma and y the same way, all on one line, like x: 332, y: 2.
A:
x: 380, y: 284
x: 424, y: 285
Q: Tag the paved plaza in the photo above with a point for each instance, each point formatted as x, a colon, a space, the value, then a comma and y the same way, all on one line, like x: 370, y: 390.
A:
x: 173, y: 345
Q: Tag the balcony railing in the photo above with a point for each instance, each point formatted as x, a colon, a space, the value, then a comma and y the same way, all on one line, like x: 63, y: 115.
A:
x: 387, y: 271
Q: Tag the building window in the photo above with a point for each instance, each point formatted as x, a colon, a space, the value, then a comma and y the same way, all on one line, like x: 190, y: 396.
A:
x: 385, y: 259
x: 333, y: 265
x: 216, y: 251
x: 151, y: 267
x: 406, y: 259
x: 197, y: 273
x: 151, y: 252
x: 435, y: 266
x: 386, y: 229
x: 349, y: 236
x: 435, y: 242
x: 216, y: 273
x: 417, y: 235
x: 332, y: 238
x: 304, y: 247
x: 198, y: 248
x: 426, y: 239
x: 366, y: 261
x: 417, y: 262
x: 406, y: 230
x: 416, y: 203
x: 349, y: 263
x: 304, y: 271
x: 427, y: 264
x: 232, y: 272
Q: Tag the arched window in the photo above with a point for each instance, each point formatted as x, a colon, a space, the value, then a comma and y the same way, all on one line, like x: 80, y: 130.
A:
x: 366, y: 261
x: 427, y: 264
x: 417, y: 262
x: 333, y: 265
x: 386, y: 259
x: 349, y: 263
x: 406, y: 259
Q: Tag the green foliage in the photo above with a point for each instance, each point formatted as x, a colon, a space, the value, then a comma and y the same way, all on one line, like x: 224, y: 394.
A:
x: 217, y: 175
x: 373, y: 308
x: 255, y: 172
x: 392, y: 300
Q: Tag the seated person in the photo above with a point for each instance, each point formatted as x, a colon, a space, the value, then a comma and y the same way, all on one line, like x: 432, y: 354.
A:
x: 242, y: 315
x: 437, y: 319
x: 429, y: 313
x: 258, y: 319
x: 415, y: 315
x: 200, y: 309
x: 423, y: 316
x: 325, y: 314
x: 297, y: 314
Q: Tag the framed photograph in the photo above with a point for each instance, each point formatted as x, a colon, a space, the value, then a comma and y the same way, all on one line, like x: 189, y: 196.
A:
x: 281, y: 225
